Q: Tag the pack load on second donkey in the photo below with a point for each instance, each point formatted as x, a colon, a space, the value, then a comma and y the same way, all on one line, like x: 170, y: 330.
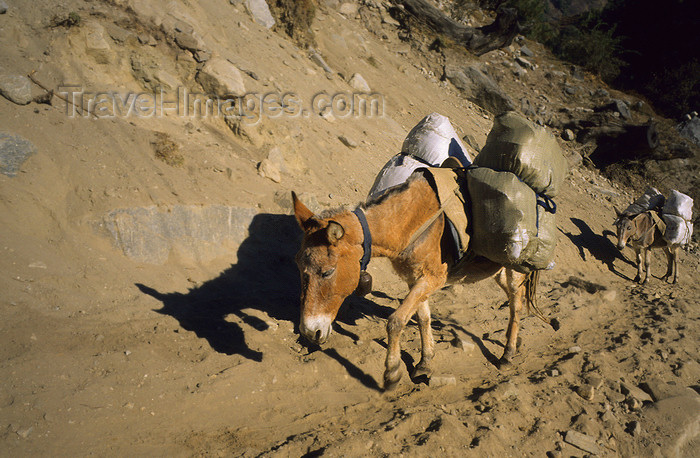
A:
x: 675, y: 213
x: 503, y: 208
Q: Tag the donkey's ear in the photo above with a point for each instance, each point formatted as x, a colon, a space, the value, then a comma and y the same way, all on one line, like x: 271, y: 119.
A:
x: 334, y: 232
x: 304, y: 216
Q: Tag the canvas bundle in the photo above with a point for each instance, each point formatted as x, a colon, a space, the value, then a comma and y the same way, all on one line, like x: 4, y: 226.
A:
x: 521, y: 167
x: 519, y: 146
x: 509, y: 227
x: 428, y: 144
x: 677, y: 213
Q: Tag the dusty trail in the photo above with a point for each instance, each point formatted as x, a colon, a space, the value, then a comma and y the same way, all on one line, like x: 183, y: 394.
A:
x: 170, y: 336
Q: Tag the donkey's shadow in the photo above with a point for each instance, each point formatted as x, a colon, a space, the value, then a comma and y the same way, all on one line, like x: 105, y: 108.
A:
x: 599, y: 246
x: 265, y: 278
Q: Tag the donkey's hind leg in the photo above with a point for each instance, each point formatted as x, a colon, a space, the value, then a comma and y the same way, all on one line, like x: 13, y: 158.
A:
x: 673, y: 262
x: 423, y: 368
x: 670, y: 261
x: 513, y: 283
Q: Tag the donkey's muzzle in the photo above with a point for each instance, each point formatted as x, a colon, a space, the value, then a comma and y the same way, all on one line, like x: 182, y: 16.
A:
x: 316, y: 330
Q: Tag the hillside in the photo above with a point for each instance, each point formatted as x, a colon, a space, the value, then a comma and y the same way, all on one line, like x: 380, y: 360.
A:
x: 149, y: 292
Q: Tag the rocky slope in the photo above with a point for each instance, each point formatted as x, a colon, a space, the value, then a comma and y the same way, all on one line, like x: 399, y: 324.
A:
x: 150, y: 299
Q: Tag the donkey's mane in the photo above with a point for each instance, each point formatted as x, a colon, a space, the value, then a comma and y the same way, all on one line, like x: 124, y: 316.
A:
x: 394, y: 190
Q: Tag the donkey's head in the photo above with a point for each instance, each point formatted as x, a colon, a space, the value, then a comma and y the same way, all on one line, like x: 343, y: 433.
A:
x: 329, y: 264
x: 625, y: 228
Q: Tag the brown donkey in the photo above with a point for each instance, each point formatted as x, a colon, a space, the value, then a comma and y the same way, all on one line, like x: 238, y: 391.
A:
x: 644, y: 232
x: 397, y: 226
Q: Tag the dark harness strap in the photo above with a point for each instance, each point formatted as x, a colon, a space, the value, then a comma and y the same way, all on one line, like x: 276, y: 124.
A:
x: 367, y: 238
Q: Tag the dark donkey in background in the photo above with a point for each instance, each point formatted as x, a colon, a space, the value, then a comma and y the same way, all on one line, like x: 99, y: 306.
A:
x: 644, y: 232
x: 400, y: 228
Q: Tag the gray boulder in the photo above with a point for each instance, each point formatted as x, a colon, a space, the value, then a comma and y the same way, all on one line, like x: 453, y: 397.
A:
x: 690, y: 129
x: 479, y: 88
x: 221, y: 78
x: 16, y: 88
x: 14, y: 150
x: 201, y: 233
x: 260, y: 12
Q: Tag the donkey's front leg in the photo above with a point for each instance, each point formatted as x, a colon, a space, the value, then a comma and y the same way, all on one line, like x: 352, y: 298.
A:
x: 395, y: 325
x: 647, y: 261
x: 423, y: 369
x: 638, y: 253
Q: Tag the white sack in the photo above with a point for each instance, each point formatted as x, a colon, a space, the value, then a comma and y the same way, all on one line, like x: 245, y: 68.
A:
x: 679, y: 204
x: 428, y: 144
x: 433, y: 139
x: 678, y: 230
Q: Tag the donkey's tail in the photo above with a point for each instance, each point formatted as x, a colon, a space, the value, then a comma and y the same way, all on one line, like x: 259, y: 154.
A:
x: 531, y: 282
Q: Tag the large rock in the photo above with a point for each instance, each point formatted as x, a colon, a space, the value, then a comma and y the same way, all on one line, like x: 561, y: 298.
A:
x: 221, y: 78
x: 16, y: 88
x: 260, y: 12
x: 200, y: 233
x: 690, y: 129
x: 479, y: 88
x: 96, y: 44
x: 14, y: 150
x: 358, y: 83
x: 677, y: 420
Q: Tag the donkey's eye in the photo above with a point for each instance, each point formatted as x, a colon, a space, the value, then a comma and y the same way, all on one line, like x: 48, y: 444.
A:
x: 328, y: 273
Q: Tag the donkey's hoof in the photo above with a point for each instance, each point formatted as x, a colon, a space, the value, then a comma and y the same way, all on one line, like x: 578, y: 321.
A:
x: 391, y: 379
x: 421, y: 373
x: 504, y: 363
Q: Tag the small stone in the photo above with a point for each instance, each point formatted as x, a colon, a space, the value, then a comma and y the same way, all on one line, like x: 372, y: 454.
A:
x: 221, y: 78
x: 466, y: 345
x: 633, y: 403
x: 586, y: 391
x: 568, y: 135
x: 621, y: 107
x: 553, y: 373
x: 267, y: 169
x: 575, y: 349
x: 358, y: 83
x: 438, y: 381
x: 349, y: 142
x: 96, y: 45
x: 524, y: 63
x: 260, y: 12
x: 634, y: 428
x: 318, y: 60
x: 582, y: 441
x: 127, y: 352
x: 24, y: 433
x: 37, y: 265
x: 634, y: 392
x: 527, y: 52
x: 3, y: 7
x: 16, y: 89
x: 14, y: 151
x: 348, y: 10
x: 595, y: 380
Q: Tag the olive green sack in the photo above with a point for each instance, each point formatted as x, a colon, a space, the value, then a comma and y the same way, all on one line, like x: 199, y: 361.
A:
x: 519, y: 146
x: 518, y: 162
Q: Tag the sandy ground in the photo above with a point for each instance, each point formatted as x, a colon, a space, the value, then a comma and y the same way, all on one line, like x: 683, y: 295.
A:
x: 199, y: 355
